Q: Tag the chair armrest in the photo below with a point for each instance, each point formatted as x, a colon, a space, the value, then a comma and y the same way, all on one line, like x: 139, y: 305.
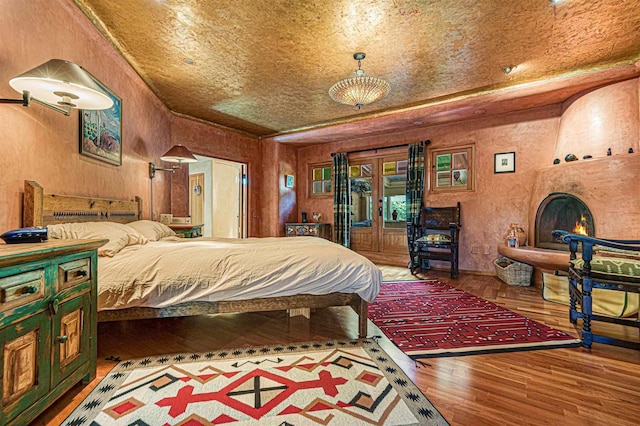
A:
x: 589, y: 242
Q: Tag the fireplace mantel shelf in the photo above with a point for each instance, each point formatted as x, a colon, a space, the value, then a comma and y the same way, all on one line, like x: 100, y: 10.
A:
x: 537, y: 257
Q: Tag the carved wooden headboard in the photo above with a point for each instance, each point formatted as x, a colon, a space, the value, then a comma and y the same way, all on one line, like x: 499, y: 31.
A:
x: 39, y: 209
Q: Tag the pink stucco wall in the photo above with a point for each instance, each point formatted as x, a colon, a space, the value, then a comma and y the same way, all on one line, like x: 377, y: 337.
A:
x: 591, y: 122
x: 211, y: 141
x: 497, y: 201
x: 607, y: 117
x: 42, y: 145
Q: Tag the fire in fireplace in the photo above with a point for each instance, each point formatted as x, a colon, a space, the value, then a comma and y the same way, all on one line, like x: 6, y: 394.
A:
x: 563, y: 211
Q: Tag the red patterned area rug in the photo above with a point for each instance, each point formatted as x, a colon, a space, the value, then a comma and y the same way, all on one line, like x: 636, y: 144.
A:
x: 351, y: 382
x: 427, y: 319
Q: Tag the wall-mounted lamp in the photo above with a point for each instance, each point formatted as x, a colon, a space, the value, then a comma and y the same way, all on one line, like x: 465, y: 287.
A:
x: 177, y: 154
x: 59, y: 85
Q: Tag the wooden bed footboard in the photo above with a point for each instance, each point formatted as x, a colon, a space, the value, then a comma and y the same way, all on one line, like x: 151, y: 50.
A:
x: 252, y: 305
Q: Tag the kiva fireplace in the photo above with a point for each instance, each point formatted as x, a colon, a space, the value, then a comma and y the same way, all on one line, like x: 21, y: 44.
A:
x: 563, y: 211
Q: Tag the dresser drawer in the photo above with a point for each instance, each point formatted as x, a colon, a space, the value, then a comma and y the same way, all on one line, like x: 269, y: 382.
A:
x: 20, y: 289
x: 315, y: 229
x: 73, y: 273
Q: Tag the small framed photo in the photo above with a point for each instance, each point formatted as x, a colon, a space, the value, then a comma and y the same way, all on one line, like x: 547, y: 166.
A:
x: 289, y: 181
x: 504, y: 162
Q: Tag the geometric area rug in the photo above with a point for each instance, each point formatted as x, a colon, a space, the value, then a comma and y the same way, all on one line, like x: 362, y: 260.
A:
x: 427, y: 319
x: 350, y: 382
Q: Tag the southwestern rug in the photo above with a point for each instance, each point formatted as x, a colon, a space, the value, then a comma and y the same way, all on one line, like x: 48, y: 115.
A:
x: 427, y: 319
x: 352, y: 382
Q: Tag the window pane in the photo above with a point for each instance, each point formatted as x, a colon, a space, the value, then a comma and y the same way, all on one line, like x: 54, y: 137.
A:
x: 367, y: 170
x: 460, y: 161
x: 459, y: 178
x: 326, y: 173
x: 443, y: 162
x: 389, y: 168
x: 317, y: 174
x: 402, y: 167
x: 361, y: 202
x: 327, y: 186
x: 443, y: 179
x: 354, y: 171
x: 394, y: 196
x: 317, y: 187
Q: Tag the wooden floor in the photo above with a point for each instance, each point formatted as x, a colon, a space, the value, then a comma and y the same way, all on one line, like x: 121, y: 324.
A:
x: 573, y: 386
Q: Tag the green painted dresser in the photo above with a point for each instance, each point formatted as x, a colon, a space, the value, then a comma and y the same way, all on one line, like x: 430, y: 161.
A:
x: 47, y: 323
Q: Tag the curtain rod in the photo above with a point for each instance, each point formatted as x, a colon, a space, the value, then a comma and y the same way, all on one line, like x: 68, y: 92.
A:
x: 333, y: 154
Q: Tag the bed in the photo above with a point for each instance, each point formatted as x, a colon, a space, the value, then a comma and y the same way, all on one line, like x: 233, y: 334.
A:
x: 170, y: 276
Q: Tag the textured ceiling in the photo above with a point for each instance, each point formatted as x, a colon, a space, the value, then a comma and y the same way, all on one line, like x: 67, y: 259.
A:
x: 264, y: 66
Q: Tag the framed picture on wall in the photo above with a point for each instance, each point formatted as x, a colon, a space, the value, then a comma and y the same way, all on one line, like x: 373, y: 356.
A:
x: 289, y: 181
x: 101, y: 131
x: 504, y: 162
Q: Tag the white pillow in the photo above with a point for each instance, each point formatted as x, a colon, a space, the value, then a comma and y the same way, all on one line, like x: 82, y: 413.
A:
x: 153, y: 231
x: 118, y: 234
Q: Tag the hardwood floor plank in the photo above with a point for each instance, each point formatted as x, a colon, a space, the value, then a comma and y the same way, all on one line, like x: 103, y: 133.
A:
x: 571, y: 386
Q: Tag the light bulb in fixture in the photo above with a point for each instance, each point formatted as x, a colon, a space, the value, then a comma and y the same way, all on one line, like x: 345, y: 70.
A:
x: 509, y: 69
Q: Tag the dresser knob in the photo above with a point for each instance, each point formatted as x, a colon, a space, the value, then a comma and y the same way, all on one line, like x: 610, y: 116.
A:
x: 30, y: 289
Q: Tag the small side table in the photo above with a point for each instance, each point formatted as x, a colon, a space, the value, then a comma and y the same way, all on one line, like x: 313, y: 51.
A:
x: 187, y: 230
x: 322, y: 230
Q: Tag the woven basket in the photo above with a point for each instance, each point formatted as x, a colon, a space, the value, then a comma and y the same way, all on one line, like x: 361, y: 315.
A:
x: 512, y: 272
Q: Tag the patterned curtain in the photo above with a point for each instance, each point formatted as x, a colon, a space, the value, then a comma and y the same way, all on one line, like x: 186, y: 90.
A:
x: 341, y: 199
x: 415, y: 191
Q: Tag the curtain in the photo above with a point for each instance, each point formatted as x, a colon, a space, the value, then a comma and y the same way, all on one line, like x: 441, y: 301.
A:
x: 341, y: 199
x: 415, y: 191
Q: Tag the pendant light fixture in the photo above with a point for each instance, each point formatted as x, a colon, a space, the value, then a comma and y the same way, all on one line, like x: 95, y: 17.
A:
x: 359, y: 90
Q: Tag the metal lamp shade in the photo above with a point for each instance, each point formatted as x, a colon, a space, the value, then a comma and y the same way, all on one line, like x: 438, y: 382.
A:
x: 63, y: 84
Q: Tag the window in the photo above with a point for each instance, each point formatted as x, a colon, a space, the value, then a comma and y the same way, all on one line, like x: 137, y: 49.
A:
x: 452, y: 169
x: 321, y: 179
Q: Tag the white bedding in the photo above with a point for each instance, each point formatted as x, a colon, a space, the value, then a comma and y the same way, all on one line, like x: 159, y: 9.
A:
x: 177, y: 270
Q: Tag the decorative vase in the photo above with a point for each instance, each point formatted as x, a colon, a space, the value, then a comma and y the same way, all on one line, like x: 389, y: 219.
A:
x: 517, y: 231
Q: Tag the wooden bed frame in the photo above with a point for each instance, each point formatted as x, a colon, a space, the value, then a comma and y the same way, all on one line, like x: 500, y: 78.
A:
x: 41, y: 209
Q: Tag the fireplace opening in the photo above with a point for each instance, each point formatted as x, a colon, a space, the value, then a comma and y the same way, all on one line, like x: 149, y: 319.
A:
x: 565, y: 212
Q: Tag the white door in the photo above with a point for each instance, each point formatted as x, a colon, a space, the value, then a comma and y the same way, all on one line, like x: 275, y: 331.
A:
x: 227, y: 210
x: 225, y: 206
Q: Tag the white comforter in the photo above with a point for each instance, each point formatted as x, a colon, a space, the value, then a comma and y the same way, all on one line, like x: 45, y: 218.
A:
x: 177, y: 270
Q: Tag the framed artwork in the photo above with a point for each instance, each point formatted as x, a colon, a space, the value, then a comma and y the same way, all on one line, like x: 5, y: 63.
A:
x: 504, y: 162
x: 101, y: 131
x: 289, y: 181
